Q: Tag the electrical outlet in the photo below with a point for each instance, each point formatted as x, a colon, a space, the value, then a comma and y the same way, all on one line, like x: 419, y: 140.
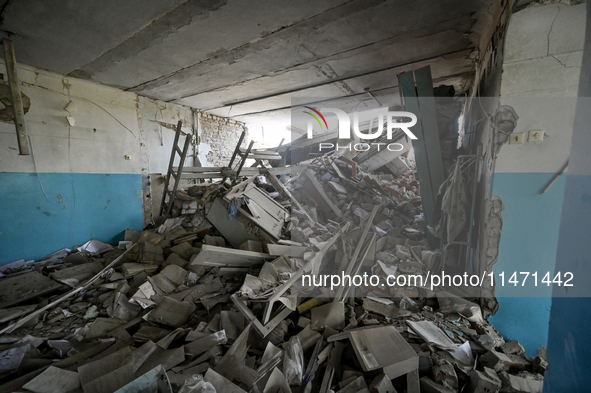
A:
x: 516, y: 138
x: 535, y: 136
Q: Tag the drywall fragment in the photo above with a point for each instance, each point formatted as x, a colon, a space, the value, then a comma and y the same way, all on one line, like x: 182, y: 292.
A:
x: 384, y: 348
x: 277, y: 383
x: 204, y: 344
x: 445, y: 374
x: 171, y: 312
x: 381, y: 384
x: 513, y: 348
x: 11, y: 359
x: 54, y: 380
x: 330, y: 315
x: 107, y: 374
x: 141, y: 354
x: 168, y: 358
x: 220, y: 383
x: 131, y: 269
x: 526, y: 383
x: 384, y: 307
x: 356, y: 386
x: 308, y: 337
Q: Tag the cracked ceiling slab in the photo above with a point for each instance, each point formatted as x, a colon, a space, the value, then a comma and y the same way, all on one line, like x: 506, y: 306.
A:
x: 249, y: 59
x: 63, y: 35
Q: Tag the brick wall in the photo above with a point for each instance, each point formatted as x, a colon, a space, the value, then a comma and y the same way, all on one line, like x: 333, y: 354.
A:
x: 221, y: 134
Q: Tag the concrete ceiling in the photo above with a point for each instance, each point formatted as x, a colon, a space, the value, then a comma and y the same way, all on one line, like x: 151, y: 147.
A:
x: 249, y: 59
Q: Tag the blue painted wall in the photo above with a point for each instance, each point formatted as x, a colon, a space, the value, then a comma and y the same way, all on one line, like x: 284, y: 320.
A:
x: 569, y: 339
x: 529, y: 241
x: 40, y: 214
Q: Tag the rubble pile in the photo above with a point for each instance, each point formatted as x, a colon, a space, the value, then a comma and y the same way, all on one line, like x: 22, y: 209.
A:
x: 224, y: 297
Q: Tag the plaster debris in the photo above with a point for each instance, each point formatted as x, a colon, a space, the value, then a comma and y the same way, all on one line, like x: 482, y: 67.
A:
x: 227, y: 296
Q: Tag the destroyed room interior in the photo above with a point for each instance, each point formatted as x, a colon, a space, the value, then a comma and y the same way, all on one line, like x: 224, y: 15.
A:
x: 273, y: 196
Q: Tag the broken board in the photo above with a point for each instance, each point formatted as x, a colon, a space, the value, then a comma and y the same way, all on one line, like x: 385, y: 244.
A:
x: 221, y: 256
x: 54, y: 380
x: 18, y: 289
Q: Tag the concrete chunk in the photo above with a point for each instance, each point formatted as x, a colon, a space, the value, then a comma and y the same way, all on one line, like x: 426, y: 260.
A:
x: 521, y: 384
x: 445, y: 374
x: 540, y: 364
x: 512, y: 347
x: 496, y: 360
x: 485, y: 381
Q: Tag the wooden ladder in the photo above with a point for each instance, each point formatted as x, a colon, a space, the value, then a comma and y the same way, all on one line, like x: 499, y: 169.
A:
x: 168, y: 195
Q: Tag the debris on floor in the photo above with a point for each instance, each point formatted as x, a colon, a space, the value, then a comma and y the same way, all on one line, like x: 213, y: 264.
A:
x: 226, y: 295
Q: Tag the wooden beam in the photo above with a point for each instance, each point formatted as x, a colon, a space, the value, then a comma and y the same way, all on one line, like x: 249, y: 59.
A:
x: 17, y: 99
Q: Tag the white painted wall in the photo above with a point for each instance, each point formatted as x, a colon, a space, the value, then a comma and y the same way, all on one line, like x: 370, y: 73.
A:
x: 109, y: 125
x: 543, y: 54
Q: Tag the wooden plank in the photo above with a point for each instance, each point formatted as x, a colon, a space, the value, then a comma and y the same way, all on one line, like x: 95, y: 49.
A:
x: 17, y: 99
x: 18, y: 289
x: 221, y: 256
